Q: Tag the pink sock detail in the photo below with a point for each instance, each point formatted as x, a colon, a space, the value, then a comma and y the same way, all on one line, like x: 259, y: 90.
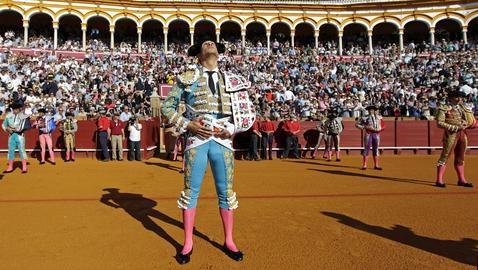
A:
x: 24, y: 165
x: 337, y: 154
x: 67, y: 155
x: 440, y: 173
x: 188, y: 219
x: 227, y: 217
x: 460, y: 171
x: 73, y: 155
x: 10, y: 166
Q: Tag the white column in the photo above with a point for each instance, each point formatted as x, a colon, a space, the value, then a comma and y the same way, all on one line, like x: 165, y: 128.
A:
x: 165, y: 33
x: 370, y: 42
x: 83, y: 37
x: 340, y: 44
x: 139, y: 39
x: 25, y: 32
x: 432, y: 35
x: 465, y: 34
x: 192, y: 38
x: 112, y: 36
x: 316, y: 36
x: 55, y: 35
x: 243, y: 35
x: 292, y: 39
x: 218, y: 34
x: 400, y: 39
x: 268, y: 42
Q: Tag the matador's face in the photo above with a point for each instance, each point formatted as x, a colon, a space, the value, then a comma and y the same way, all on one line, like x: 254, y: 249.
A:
x: 208, y: 48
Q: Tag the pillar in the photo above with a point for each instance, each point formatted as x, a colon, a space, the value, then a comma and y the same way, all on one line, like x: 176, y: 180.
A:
x: 191, y: 31
x: 83, y: 36
x: 370, y: 41
x: 112, y: 36
x: 292, y: 38
x: 55, y: 35
x: 218, y: 34
x: 316, y: 36
x: 465, y: 35
x: 268, y: 41
x: 25, y: 32
x: 432, y: 35
x: 139, y: 28
x: 243, y: 35
x: 400, y: 38
x: 341, y: 34
x: 165, y: 33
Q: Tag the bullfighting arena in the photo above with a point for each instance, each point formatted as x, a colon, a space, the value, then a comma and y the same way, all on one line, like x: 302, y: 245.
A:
x: 293, y: 214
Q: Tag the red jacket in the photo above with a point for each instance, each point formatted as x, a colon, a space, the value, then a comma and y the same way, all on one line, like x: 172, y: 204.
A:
x: 292, y: 126
x: 267, y: 126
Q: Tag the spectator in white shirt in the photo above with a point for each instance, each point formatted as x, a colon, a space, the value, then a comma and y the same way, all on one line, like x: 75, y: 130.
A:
x: 134, y: 129
x: 125, y: 115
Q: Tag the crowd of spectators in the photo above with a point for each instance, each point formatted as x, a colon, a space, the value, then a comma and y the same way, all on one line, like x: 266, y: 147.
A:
x: 300, y: 81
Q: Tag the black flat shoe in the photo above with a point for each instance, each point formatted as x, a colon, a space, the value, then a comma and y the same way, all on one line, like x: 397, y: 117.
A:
x: 377, y: 168
x: 7, y: 171
x: 42, y: 162
x: 363, y: 168
x: 235, y: 255
x: 440, y: 185
x: 184, y: 258
x: 338, y: 160
x: 461, y: 184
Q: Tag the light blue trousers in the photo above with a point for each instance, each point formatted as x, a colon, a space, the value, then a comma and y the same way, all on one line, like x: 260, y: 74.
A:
x: 222, y: 165
x: 16, y: 141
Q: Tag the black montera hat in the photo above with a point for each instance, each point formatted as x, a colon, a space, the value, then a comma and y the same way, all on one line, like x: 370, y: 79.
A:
x: 195, y: 49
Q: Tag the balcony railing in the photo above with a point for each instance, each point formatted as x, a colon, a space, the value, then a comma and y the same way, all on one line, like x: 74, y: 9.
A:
x: 287, y: 2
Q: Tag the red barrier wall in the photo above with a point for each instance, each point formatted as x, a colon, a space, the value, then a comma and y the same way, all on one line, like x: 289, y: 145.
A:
x: 86, y: 139
x: 398, y: 136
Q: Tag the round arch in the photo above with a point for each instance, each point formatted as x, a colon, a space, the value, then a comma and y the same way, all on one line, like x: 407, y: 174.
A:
x: 152, y: 31
x: 385, y: 34
x: 448, y: 29
x: 125, y: 30
x: 178, y: 32
x: 281, y: 32
x: 230, y: 31
x: 416, y: 31
x: 11, y: 20
x: 304, y: 35
x: 204, y: 29
x: 69, y: 28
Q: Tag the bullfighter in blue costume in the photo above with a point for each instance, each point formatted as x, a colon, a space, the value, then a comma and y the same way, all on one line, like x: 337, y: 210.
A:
x: 217, y: 106
x: 16, y: 123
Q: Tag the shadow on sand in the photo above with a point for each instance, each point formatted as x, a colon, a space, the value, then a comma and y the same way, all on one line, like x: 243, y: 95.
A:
x: 463, y: 251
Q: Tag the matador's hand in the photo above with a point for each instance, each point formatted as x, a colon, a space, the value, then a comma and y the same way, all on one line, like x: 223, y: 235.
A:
x: 196, y: 128
x: 224, y: 134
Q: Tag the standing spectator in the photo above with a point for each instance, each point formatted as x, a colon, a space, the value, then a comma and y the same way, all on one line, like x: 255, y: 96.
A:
x: 322, y: 129
x: 134, y: 129
x: 50, y: 87
x: 334, y: 126
x: 103, y: 130
x: 292, y: 128
x: 254, y: 135
x: 69, y: 127
x: 117, y: 137
x: 126, y: 114
x: 267, y: 129
x: 46, y: 125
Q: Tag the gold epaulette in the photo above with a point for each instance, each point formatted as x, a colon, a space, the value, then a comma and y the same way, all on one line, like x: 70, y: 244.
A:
x: 444, y: 107
x: 189, y: 77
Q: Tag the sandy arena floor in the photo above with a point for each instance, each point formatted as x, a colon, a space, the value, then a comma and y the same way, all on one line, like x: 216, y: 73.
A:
x: 294, y: 214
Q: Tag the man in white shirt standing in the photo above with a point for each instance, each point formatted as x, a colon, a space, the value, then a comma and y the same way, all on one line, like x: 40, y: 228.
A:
x: 134, y: 129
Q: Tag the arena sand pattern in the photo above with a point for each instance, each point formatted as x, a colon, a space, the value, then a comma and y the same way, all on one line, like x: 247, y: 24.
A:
x: 293, y: 214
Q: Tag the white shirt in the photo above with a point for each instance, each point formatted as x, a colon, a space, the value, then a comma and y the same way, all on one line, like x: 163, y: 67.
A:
x: 135, y: 132
x: 215, y: 77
